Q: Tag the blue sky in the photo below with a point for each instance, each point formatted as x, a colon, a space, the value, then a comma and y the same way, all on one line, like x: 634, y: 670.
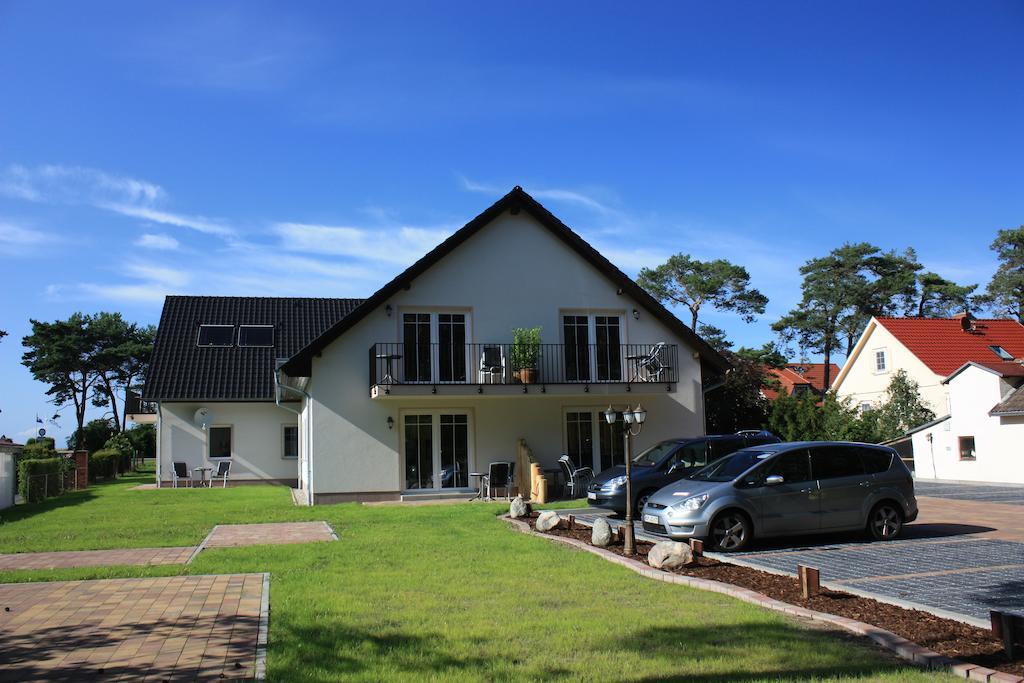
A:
x: 317, y: 149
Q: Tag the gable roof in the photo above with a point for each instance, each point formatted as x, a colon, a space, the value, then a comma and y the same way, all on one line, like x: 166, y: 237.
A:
x: 1011, y: 405
x: 943, y: 345
x: 1004, y: 368
x: 815, y: 373
x: 181, y: 370
x: 787, y: 379
x: 300, y: 365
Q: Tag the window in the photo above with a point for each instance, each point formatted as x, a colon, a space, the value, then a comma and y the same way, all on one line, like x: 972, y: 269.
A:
x: 880, y: 361
x: 290, y: 447
x: 691, y: 455
x: 836, y: 461
x: 794, y: 467
x: 593, y: 347
x: 216, y: 335
x: 591, y: 442
x: 579, y: 428
x: 967, y: 451
x: 255, y: 335
x: 875, y: 460
x: 1001, y: 352
x: 219, y: 441
x: 722, y: 447
x: 865, y: 406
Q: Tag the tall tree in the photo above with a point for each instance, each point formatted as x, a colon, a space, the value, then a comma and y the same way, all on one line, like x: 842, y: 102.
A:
x: 841, y: 291
x: 692, y: 283
x: 1005, y: 293
x: 938, y: 297
x: 63, y: 355
x: 121, y: 360
x: 738, y: 403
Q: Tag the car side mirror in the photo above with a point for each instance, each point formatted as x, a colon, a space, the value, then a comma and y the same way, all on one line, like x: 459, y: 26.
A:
x: 774, y: 480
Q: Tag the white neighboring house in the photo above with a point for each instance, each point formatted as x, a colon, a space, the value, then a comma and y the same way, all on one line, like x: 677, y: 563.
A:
x: 929, y: 350
x: 980, y: 439
x: 410, y: 391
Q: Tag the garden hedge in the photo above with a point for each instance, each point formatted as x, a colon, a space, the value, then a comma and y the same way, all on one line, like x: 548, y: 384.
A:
x: 41, y: 478
x: 104, y: 464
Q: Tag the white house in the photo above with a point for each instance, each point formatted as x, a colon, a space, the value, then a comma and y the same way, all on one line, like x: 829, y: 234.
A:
x: 928, y: 349
x: 408, y: 392
x: 980, y: 438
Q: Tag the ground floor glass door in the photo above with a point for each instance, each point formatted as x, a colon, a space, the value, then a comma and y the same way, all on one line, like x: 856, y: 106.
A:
x: 592, y: 442
x: 437, y: 450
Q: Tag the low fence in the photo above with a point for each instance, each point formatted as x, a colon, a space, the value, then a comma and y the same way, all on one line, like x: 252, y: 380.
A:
x: 44, y: 478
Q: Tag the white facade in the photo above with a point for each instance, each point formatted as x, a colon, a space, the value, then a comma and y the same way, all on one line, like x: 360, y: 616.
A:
x: 513, y: 273
x: 942, y: 451
x: 866, y: 374
x: 257, y: 440
x: 6, y: 480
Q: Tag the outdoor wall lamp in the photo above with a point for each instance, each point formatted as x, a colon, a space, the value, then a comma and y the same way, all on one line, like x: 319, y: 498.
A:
x: 636, y: 314
x: 391, y: 422
x: 634, y: 419
x: 387, y: 309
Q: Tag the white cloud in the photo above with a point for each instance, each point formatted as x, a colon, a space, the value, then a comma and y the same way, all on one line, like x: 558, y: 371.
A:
x: 566, y: 196
x: 16, y: 240
x: 161, y: 242
x: 198, y: 223
x: 403, y: 245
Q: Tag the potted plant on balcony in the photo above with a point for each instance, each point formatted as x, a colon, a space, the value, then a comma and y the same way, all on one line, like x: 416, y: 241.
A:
x: 525, y: 353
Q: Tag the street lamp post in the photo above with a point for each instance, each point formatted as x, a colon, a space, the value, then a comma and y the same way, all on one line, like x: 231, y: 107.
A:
x: 634, y: 418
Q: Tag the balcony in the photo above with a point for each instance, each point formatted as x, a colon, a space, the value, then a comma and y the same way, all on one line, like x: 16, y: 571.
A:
x: 497, y: 369
x: 137, y: 410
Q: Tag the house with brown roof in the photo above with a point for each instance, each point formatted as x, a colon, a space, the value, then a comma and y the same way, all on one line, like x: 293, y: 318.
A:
x: 929, y: 350
x: 795, y: 379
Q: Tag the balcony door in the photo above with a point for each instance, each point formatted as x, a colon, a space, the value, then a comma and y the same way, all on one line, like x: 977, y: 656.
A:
x: 591, y: 441
x: 599, y: 360
x: 434, y: 349
x: 436, y: 449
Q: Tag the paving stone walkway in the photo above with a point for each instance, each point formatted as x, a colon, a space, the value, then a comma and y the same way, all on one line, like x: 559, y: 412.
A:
x: 232, y: 535
x: 96, y: 558
x: 176, y: 628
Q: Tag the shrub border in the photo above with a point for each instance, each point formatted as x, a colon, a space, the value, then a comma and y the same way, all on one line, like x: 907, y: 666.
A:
x: 910, y: 651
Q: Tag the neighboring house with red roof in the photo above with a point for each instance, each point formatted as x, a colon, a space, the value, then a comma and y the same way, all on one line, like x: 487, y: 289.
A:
x: 929, y: 350
x: 785, y: 381
x: 814, y: 373
x: 979, y: 439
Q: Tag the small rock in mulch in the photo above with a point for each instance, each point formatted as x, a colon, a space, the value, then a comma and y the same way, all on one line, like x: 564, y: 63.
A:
x: 518, y: 508
x: 945, y: 636
x: 670, y: 555
x: 601, y: 534
x: 547, y: 521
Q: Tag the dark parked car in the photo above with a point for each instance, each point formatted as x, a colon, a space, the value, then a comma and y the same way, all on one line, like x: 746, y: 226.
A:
x: 787, y: 489
x: 664, y: 463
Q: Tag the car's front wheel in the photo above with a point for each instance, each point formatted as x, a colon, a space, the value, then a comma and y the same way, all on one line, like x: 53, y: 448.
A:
x: 885, y: 521
x: 731, y: 531
x: 642, y: 499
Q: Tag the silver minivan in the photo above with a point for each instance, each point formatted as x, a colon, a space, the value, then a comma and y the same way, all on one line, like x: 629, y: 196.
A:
x: 784, y: 489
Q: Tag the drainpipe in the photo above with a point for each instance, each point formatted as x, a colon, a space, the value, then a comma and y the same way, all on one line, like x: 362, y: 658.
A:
x: 159, y: 438
x: 278, y: 386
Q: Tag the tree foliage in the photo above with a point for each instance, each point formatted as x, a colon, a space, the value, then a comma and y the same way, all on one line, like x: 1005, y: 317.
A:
x: 938, y: 297
x: 92, y: 436
x: 841, y: 291
x: 738, y: 403
x: 693, y: 283
x: 1005, y: 292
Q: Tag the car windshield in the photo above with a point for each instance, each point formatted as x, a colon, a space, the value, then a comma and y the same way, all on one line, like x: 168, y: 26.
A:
x: 653, y: 455
x: 730, y: 466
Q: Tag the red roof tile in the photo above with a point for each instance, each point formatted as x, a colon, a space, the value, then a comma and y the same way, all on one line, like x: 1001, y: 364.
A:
x: 943, y: 345
x: 815, y: 373
x: 786, y: 378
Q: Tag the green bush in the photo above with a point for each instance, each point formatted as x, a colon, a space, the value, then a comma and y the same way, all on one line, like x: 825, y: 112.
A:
x: 104, y: 464
x: 35, y: 450
x: 41, y: 478
x: 122, y: 443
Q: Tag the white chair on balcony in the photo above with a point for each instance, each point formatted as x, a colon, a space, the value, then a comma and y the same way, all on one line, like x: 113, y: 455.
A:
x: 492, y: 365
x: 653, y: 366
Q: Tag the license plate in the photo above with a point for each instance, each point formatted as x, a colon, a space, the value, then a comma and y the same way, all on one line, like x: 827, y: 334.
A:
x: 652, y: 519
x: 591, y: 496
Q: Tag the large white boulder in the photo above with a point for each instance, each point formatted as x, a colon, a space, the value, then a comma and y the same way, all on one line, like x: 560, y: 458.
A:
x: 601, y: 535
x: 517, y: 508
x: 548, y: 520
x: 670, y: 555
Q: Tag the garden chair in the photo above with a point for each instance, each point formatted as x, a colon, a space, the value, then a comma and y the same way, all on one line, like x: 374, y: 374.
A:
x: 500, y: 475
x: 577, y: 479
x: 653, y: 366
x: 223, y: 470
x: 179, y: 472
x: 492, y: 365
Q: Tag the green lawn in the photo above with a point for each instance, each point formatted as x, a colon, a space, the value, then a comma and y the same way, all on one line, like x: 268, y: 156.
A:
x: 446, y: 593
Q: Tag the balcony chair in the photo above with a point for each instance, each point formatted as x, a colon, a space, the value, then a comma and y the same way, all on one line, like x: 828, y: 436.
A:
x: 500, y: 475
x: 223, y: 470
x: 179, y: 472
x: 577, y: 479
x: 492, y: 365
x: 654, y: 368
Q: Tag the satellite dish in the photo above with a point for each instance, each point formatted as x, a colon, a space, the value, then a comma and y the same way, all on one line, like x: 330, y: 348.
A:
x: 203, y: 417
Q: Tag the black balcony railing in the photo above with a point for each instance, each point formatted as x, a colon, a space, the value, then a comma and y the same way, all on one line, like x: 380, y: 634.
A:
x: 453, y: 363
x: 134, y: 405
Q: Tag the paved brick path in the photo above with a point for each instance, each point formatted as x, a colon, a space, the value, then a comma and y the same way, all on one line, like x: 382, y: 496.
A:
x: 183, y: 628
x: 985, y: 493
x: 231, y: 535
x: 96, y: 558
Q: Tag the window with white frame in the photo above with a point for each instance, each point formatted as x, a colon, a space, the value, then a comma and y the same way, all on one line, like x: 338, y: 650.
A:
x: 290, y: 441
x: 881, y: 361
x: 591, y: 442
x: 216, y: 335
x: 592, y: 346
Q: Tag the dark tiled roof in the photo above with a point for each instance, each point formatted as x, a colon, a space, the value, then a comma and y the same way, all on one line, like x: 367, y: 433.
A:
x: 180, y: 370
x: 300, y: 365
x: 1013, y: 405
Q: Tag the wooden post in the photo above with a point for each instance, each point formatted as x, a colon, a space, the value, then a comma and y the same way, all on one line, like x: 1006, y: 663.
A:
x: 697, y: 546
x: 810, y: 581
x: 572, y: 522
x: 1010, y: 629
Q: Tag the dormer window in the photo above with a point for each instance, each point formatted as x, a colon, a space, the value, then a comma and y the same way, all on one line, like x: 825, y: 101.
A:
x: 216, y: 335
x: 1001, y: 352
x: 255, y: 335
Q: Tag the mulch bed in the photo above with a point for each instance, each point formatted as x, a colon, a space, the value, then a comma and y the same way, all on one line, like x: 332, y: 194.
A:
x: 945, y: 636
